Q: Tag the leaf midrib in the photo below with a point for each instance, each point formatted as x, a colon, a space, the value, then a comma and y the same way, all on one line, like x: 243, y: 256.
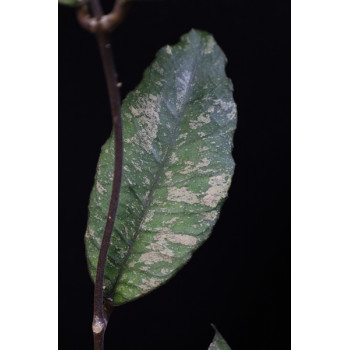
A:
x: 161, y: 168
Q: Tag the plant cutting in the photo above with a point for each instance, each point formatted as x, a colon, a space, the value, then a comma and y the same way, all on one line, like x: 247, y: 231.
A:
x: 164, y: 172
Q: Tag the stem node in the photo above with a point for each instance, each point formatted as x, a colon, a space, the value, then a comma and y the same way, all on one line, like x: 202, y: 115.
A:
x: 98, y: 325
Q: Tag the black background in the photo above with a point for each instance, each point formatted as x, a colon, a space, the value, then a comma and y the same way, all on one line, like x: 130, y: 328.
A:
x: 240, y: 278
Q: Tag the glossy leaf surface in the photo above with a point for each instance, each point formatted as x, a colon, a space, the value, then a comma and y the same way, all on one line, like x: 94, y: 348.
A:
x: 178, y: 133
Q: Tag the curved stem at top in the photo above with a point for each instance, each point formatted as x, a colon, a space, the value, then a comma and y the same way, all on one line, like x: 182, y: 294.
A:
x: 97, y: 8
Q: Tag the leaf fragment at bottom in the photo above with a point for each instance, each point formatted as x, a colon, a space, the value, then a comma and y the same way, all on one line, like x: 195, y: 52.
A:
x: 218, y: 343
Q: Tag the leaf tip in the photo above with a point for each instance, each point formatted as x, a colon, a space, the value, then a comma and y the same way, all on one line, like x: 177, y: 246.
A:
x: 213, y: 326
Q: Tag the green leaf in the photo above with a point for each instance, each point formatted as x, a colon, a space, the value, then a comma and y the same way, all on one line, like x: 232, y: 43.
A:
x: 218, y: 342
x: 68, y: 2
x: 178, y: 131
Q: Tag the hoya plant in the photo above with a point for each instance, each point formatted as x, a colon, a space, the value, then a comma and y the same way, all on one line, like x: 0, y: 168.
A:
x: 164, y: 172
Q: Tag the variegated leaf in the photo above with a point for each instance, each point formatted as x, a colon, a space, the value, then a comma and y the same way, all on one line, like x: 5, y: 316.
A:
x: 178, y: 134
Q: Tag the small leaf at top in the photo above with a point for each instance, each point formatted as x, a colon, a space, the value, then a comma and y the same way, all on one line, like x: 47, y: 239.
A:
x: 178, y: 130
x: 218, y: 342
x: 69, y: 2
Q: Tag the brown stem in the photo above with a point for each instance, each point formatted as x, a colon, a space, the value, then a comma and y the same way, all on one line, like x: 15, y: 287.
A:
x: 85, y: 19
x: 101, y: 25
x: 101, y: 22
x: 96, y: 9
x: 115, y: 17
x: 100, y: 318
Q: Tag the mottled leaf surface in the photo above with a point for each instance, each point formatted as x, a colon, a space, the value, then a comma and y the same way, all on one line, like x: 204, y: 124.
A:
x: 218, y: 342
x: 178, y: 132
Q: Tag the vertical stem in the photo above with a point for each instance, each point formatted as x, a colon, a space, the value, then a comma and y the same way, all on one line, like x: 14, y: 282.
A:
x: 101, y: 25
x: 102, y: 310
x: 100, y: 315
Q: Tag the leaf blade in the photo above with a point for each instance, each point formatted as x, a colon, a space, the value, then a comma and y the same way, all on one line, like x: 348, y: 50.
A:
x: 176, y: 121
